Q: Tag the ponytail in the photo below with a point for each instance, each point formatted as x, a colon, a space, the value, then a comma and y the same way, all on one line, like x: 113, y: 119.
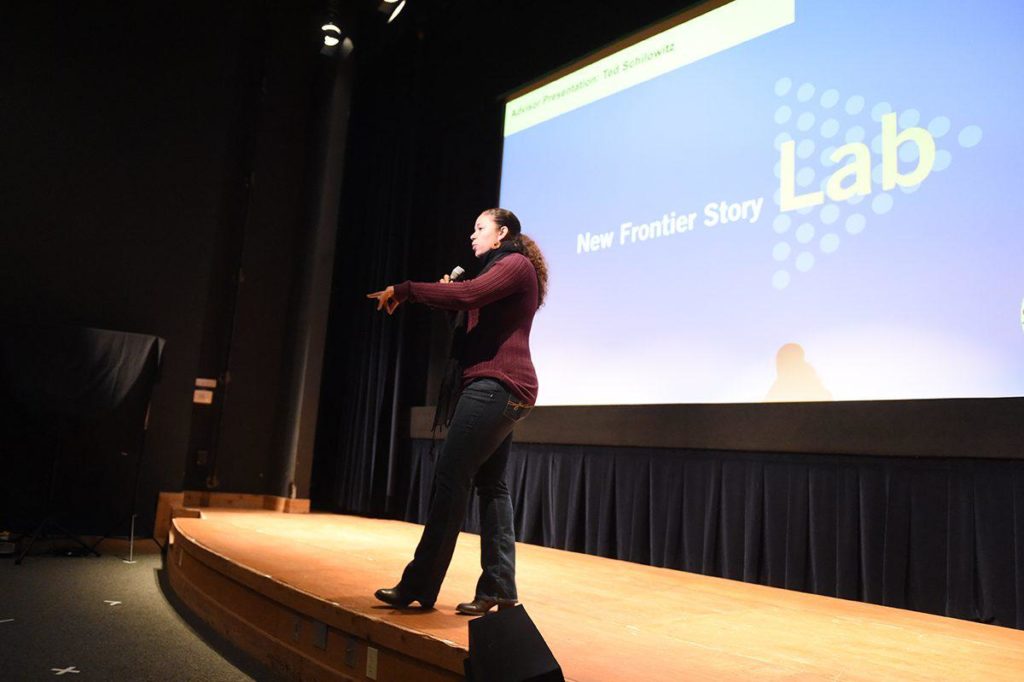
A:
x: 532, y: 251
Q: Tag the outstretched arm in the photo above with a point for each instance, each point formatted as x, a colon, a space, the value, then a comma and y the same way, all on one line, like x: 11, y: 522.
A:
x: 386, y: 298
x: 506, y: 277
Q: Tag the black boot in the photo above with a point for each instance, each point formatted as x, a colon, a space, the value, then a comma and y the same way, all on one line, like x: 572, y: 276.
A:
x: 482, y: 605
x: 397, y: 598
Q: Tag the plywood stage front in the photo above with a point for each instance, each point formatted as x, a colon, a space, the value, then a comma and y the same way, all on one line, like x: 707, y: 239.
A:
x: 297, y: 590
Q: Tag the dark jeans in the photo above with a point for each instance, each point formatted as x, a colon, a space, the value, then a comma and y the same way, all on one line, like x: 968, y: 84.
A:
x: 475, y: 452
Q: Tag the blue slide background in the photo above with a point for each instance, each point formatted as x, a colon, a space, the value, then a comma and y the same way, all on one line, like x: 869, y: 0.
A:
x: 905, y: 294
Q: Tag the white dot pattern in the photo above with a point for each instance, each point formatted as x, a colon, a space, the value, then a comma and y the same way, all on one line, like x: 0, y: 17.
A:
x: 861, y: 125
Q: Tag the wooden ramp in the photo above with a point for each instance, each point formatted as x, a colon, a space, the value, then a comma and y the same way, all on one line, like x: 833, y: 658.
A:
x: 296, y: 590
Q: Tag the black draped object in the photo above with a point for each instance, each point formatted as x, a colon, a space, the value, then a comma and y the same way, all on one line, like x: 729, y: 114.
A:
x: 79, y: 395
x: 944, y: 536
x: 76, y: 373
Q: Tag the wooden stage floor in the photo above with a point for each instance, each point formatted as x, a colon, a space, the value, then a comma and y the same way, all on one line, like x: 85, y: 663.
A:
x: 603, y: 619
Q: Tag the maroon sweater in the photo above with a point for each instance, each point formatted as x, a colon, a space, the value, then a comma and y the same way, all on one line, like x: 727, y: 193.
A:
x: 501, y: 304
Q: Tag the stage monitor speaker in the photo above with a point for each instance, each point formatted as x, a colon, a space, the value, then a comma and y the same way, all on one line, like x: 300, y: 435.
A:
x: 507, y: 647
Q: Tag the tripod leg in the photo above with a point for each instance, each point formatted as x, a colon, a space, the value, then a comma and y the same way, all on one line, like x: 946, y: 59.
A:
x: 31, y: 541
x: 71, y: 536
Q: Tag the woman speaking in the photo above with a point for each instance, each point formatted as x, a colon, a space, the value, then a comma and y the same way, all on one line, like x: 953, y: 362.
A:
x: 498, y: 389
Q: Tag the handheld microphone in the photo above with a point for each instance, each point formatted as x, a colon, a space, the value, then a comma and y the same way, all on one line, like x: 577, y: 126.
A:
x: 457, y: 272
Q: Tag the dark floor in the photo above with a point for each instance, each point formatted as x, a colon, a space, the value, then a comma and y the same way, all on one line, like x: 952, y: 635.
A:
x: 104, y: 619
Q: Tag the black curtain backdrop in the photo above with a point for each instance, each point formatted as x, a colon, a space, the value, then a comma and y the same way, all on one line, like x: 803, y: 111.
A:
x: 944, y: 536
x: 417, y: 176
x: 363, y: 376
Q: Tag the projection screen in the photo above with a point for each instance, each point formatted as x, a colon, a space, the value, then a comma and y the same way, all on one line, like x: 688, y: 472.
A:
x: 780, y: 200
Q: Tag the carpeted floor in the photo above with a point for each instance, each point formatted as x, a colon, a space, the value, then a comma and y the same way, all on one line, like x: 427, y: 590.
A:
x: 95, y: 618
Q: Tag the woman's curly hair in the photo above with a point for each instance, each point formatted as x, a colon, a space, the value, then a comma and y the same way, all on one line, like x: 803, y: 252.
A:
x: 507, y: 218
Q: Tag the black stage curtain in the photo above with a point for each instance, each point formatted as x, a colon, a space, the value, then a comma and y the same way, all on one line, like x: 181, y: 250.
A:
x: 416, y: 178
x: 354, y: 459
x: 944, y: 536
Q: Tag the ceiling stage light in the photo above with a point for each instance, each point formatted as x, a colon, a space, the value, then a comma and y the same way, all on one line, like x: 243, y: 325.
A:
x: 392, y: 8
x: 332, y: 34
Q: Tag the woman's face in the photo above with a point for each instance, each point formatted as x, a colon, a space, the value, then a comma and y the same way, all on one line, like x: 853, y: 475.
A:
x: 485, y: 233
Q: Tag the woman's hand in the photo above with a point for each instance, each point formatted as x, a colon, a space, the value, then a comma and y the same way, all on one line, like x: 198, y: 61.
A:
x: 445, y: 280
x: 385, y: 299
